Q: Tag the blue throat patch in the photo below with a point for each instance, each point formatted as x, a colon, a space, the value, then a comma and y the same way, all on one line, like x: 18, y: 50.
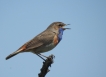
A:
x: 60, y: 34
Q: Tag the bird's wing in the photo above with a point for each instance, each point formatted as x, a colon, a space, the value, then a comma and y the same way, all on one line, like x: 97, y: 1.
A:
x: 44, y: 38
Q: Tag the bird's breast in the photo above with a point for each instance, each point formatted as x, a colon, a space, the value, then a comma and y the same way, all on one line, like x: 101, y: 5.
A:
x: 50, y: 46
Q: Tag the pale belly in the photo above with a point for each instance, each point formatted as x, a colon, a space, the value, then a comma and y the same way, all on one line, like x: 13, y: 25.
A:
x: 44, y: 48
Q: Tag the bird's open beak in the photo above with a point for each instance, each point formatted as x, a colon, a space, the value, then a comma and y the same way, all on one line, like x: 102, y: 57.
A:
x: 66, y: 28
x: 67, y: 24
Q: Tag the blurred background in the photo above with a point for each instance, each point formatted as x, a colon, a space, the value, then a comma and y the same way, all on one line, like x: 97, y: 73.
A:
x: 82, y: 51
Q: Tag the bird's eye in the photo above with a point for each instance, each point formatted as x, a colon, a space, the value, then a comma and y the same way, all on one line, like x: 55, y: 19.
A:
x: 60, y: 25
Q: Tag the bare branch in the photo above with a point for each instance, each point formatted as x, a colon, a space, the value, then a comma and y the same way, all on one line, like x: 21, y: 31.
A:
x: 45, y: 67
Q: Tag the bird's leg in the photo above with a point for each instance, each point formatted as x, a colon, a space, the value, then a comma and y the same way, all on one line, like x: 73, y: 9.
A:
x: 40, y: 56
x: 43, y: 55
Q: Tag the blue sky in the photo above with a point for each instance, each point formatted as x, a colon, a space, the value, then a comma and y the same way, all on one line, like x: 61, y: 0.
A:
x: 82, y: 51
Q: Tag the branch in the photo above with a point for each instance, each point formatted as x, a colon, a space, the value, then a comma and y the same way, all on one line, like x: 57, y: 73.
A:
x: 44, y: 70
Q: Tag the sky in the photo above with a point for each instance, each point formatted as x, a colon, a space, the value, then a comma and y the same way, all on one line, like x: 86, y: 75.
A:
x: 82, y: 51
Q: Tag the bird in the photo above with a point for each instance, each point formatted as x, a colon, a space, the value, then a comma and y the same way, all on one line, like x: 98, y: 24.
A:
x: 43, y: 42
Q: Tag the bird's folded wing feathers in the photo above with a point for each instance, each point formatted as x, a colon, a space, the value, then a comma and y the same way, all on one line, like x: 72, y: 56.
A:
x: 44, y: 38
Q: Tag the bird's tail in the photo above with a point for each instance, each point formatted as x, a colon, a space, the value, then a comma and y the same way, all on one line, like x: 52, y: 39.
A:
x: 13, y: 54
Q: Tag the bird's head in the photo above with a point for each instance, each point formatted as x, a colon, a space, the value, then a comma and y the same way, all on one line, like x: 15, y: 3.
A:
x: 57, y: 25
